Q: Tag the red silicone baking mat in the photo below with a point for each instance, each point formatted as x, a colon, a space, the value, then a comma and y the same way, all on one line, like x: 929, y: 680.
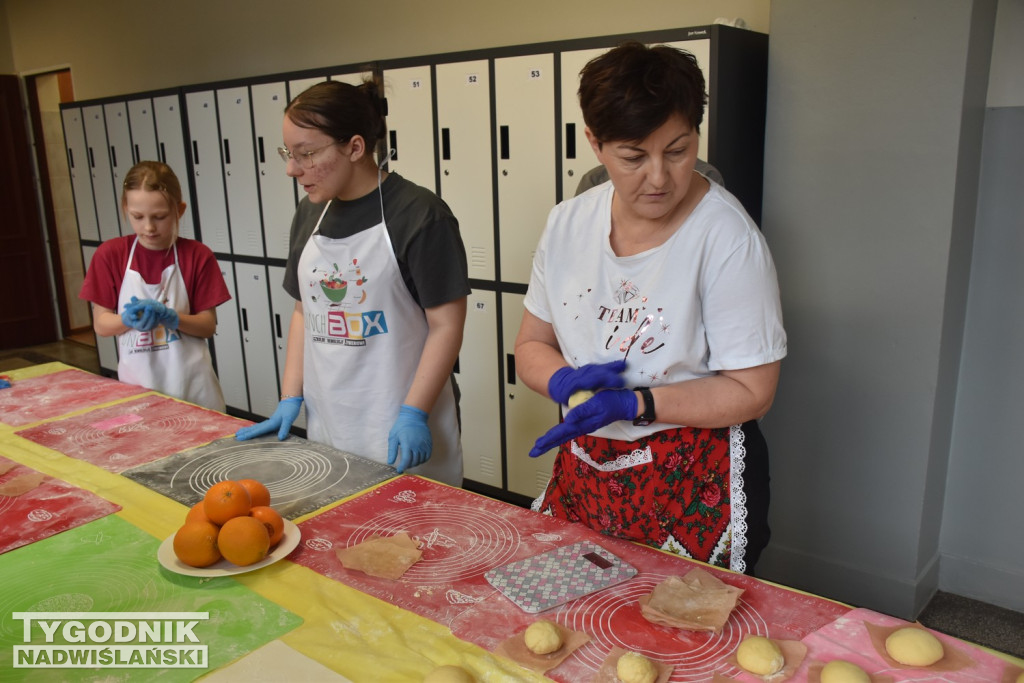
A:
x: 131, y: 433
x: 50, y: 507
x: 464, y: 535
x: 59, y: 393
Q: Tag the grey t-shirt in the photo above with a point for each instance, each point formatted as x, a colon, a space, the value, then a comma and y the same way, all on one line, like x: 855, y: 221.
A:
x: 423, y: 232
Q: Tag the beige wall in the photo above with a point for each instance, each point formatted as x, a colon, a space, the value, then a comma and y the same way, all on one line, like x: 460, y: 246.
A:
x: 117, y: 47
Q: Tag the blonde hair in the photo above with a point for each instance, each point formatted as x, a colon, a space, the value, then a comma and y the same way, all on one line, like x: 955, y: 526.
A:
x: 153, y: 176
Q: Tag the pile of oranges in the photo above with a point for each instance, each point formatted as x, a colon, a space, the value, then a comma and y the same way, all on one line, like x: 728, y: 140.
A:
x: 233, y: 521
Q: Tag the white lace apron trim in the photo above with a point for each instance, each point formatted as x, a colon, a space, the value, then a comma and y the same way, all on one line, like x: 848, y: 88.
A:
x: 624, y: 461
x: 738, y: 506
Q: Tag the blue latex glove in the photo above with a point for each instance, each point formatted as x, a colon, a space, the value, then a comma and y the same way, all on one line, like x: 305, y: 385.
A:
x: 411, y: 435
x: 601, y: 409
x: 5, y: 383
x: 137, y: 315
x: 567, y: 381
x: 164, y: 315
x: 281, y: 421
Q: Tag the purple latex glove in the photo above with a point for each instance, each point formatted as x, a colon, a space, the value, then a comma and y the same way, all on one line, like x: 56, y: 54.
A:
x: 567, y: 381
x: 601, y: 409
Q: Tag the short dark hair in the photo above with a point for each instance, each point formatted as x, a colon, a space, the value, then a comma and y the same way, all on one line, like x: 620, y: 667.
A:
x: 341, y: 110
x: 630, y: 91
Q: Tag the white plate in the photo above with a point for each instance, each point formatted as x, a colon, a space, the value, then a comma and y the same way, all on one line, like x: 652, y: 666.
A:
x: 171, y: 562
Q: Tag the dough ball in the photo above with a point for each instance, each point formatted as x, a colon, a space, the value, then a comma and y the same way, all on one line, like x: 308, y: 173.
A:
x: 579, y: 397
x: 633, y: 667
x: 543, y: 637
x: 914, y: 647
x: 1020, y: 678
x: 449, y: 673
x: 838, y: 671
x: 760, y: 655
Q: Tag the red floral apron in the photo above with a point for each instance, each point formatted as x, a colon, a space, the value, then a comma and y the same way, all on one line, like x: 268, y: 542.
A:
x: 671, y: 490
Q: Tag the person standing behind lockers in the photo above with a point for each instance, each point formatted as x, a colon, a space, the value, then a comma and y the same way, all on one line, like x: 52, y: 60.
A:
x: 158, y: 292
x: 379, y: 274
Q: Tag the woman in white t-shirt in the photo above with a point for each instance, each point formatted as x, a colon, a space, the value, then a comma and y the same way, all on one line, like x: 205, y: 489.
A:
x: 656, y: 291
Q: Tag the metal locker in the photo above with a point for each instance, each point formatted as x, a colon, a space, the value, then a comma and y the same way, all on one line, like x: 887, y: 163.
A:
x: 467, y: 183
x: 81, y: 178
x: 143, y: 127
x: 527, y: 413
x: 170, y: 141
x: 227, y: 343
x: 207, y: 171
x: 235, y: 116
x: 577, y: 156
x: 478, y: 381
x: 119, y: 141
x: 355, y: 78
x: 410, y: 136
x: 105, y: 346
x: 257, y: 337
x: 282, y: 306
x: 108, y: 200
x: 526, y: 158
x: 277, y: 189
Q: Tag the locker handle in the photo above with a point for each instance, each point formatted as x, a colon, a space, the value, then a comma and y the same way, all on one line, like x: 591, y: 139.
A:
x: 92, y: 159
x: 163, y: 153
x: 446, y: 144
x: 393, y: 138
x: 277, y: 324
x: 259, y: 143
x: 195, y: 152
x: 504, y: 141
x: 245, y: 320
x: 113, y: 155
x: 570, y: 141
x: 136, y: 159
x: 71, y: 157
x: 510, y: 368
x: 227, y: 151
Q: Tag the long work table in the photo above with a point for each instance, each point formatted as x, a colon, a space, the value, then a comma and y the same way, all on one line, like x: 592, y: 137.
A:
x: 97, y: 475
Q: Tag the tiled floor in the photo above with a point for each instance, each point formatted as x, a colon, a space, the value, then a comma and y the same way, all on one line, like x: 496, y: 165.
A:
x: 977, y: 622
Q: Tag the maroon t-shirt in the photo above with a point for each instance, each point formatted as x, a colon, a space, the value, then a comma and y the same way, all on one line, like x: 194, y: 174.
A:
x: 203, y: 280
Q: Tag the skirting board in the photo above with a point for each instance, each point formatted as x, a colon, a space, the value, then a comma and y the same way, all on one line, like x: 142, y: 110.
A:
x: 978, y: 581
x: 857, y: 586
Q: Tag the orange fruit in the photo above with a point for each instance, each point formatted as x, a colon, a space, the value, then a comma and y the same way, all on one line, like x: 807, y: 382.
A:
x: 197, y: 513
x: 271, y: 519
x: 258, y: 493
x: 243, y: 540
x: 224, y: 500
x: 195, y: 544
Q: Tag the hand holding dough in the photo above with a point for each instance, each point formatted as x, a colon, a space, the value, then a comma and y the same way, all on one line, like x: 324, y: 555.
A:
x: 760, y: 655
x: 914, y: 647
x: 633, y: 667
x: 543, y: 637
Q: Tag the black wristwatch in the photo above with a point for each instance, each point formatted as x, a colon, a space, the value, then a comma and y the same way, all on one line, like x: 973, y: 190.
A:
x: 647, y: 417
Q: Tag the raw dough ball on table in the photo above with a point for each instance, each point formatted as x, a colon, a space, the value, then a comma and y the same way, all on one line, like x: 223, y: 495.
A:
x: 633, y: 667
x: 838, y: 671
x: 449, y: 673
x: 579, y: 397
x: 914, y: 647
x: 543, y: 637
x: 760, y: 655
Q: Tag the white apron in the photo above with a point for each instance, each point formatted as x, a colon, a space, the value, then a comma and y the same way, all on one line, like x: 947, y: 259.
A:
x: 364, y: 334
x: 165, y: 360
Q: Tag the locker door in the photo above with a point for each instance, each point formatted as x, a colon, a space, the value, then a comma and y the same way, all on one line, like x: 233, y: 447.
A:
x: 171, y: 151
x: 257, y: 338
x: 701, y: 49
x: 228, y: 346
x: 577, y: 156
x: 119, y: 138
x: 467, y: 183
x: 81, y: 179
x: 411, y: 124
x: 525, y: 107
x: 106, y: 346
x: 207, y: 171
x: 277, y: 190
x: 478, y: 381
x: 235, y: 117
x: 107, y: 201
x: 282, y: 306
x: 295, y: 88
x: 355, y: 78
x: 143, y: 125
x: 527, y: 414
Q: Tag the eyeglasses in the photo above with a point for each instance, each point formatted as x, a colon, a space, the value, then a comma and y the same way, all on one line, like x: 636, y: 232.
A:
x: 303, y: 159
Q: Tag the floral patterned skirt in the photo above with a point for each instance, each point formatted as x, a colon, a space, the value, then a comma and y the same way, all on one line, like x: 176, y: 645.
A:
x: 680, y: 490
